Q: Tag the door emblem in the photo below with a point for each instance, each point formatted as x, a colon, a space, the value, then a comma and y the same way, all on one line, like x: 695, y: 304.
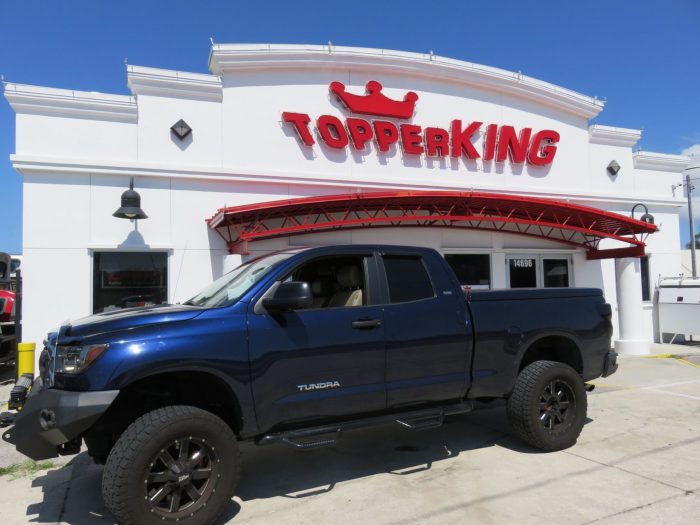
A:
x: 319, y: 386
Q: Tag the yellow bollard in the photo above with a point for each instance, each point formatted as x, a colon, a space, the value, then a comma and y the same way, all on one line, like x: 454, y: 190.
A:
x: 25, y: 358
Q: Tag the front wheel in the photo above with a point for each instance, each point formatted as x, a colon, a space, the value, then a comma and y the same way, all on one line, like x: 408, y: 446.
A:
x: 174, y: 464
x: 547, y: 408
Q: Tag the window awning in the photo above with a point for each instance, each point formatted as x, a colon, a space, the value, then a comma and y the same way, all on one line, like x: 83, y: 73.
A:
x: 553, y: 220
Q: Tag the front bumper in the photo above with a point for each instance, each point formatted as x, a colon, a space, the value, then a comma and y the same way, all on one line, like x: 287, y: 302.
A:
x: 52, y: 417
x: 610, y: 364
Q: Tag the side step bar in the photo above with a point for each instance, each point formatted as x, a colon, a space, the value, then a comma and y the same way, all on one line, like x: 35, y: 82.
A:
x: 329, y: 435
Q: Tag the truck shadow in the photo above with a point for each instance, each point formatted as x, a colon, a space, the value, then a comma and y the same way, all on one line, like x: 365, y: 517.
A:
x: 72, y: 493
x: 278, y: 471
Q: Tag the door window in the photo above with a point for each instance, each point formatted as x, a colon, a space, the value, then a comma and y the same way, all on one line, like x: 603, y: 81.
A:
x: 522, y: 272
x: 555, y: 273
x: 335, y: 282
x: 532, y: 271
x: 407, y: 279
x: 128, y: 279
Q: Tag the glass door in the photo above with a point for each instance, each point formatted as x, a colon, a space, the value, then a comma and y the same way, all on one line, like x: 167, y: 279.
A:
x: 522, y: 271
x: 556, y: 272
x: 539, y: 271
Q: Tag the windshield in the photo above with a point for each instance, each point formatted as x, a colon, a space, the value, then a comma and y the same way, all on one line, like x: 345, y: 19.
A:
x: 229, y: 288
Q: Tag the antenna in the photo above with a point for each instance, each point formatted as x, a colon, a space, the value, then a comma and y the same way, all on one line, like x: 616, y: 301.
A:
x: 182, y: 263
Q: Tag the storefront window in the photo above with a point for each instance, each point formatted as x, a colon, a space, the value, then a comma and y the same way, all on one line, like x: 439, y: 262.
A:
x: 555, y: 273
x: 646, y: 292
x: 129, y: 279
x: 472, y: 269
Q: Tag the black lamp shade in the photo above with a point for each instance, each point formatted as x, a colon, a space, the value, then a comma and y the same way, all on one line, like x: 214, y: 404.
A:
x: 131, y: 205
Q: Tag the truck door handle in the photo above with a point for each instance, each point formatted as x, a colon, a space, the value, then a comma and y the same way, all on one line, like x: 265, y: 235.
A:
x: 366, y: 323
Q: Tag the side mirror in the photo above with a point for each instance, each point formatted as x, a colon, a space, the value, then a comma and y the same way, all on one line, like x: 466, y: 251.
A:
x: 291, y: 295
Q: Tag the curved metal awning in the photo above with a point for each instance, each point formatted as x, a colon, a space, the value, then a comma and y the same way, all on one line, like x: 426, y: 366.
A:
x: 570, y: 224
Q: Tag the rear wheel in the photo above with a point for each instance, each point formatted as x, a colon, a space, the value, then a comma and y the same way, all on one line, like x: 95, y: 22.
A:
x: 175, y: 464
x: 547, y: 408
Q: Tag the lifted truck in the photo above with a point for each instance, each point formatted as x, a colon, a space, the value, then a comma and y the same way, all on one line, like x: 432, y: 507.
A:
x: 297, y: 347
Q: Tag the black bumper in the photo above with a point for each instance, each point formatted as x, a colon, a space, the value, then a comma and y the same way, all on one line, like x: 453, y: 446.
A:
x: 52, y: 417
x: 610, y: 364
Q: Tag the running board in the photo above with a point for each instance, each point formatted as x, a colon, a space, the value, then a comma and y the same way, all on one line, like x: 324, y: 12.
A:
x: 329, y: 435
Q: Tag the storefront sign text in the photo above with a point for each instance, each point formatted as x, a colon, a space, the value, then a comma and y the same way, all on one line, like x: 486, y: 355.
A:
x: 500, y: 142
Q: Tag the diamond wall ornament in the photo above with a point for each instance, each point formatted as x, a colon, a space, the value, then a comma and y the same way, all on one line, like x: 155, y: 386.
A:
x: 181, y: 129
x: 613, y: 168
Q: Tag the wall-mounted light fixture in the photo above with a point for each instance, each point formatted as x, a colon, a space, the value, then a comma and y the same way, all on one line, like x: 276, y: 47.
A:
x: 181, y: 129
x: 131, y: 205
x: 613, y: 168
x: 647, y: 217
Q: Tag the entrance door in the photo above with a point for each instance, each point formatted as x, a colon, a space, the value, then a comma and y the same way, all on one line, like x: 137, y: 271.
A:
x: 325, y: 361
x: 522, y: 271
x: 539, y: 271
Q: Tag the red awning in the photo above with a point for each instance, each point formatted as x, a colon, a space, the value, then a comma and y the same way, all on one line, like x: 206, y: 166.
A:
x: 570, y: 224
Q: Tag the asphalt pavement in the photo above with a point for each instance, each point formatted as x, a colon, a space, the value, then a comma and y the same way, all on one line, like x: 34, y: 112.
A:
x: 637, y: 461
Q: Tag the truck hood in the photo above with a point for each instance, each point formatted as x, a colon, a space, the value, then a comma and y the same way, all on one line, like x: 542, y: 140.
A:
x: 130, y: 318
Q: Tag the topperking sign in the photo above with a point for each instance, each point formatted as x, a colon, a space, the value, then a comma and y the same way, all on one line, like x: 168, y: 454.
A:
x: 500, y: 142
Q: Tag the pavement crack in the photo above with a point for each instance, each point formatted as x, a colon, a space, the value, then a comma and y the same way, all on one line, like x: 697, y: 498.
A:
x: 632, y: 509
x: 612, y: 465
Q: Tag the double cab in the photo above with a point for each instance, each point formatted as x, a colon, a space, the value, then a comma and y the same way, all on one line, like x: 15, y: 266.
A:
x: 298, y: 347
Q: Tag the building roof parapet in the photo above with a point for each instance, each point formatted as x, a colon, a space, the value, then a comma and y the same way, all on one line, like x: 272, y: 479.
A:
x: 610, y: 136
x: 24, y: 98
x: 649, y: 160
x: 240, y: 57
x: 169, y: 83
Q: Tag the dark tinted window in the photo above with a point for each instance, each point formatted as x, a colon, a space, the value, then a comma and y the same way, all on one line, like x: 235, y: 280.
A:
x: 523, y: 272
x: 646, y: 292
x: 556, y: 273
x: 407, y: 279
x: 128, y: 279
x: 472, y: 269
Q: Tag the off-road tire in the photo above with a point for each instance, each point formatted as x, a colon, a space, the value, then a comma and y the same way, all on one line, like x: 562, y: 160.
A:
x: 527, y: 409
x: 132, y: 458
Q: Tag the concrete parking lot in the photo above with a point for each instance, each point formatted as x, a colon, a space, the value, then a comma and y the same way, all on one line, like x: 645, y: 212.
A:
x: 637, y: 461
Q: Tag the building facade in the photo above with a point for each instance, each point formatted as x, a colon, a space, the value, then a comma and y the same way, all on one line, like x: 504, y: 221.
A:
x: 288, y: 145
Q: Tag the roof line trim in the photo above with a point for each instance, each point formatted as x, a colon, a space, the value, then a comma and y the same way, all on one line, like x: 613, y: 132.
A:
x: 240, y: 57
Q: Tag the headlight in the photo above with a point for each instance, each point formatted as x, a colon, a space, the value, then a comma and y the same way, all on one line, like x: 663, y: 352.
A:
x: 75, y: 359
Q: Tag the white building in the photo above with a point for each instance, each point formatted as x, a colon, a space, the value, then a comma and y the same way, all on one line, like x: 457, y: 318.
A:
x: 279, y: 122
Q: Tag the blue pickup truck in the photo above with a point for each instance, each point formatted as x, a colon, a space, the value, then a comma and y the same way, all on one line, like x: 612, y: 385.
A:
x: 297, y: 347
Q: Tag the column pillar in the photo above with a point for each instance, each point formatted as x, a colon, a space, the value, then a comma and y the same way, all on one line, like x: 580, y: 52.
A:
x: 629, y: 308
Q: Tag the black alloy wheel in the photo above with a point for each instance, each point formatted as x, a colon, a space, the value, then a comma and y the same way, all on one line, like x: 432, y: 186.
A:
x: 557, y: 403
x: 176, y: 464
x: 547, y: 407
x: 182, y: 477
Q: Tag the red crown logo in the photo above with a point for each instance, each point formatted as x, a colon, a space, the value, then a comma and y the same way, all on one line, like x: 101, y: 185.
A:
x: 375, y: 102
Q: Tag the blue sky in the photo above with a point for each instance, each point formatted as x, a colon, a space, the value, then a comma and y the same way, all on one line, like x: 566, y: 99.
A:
x: 639, y: 54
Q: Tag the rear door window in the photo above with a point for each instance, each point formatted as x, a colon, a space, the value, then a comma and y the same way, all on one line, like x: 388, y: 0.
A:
x: 407, y: 278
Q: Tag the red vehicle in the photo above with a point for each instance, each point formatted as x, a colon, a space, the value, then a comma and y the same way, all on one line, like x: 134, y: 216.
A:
x: 7, y: 307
